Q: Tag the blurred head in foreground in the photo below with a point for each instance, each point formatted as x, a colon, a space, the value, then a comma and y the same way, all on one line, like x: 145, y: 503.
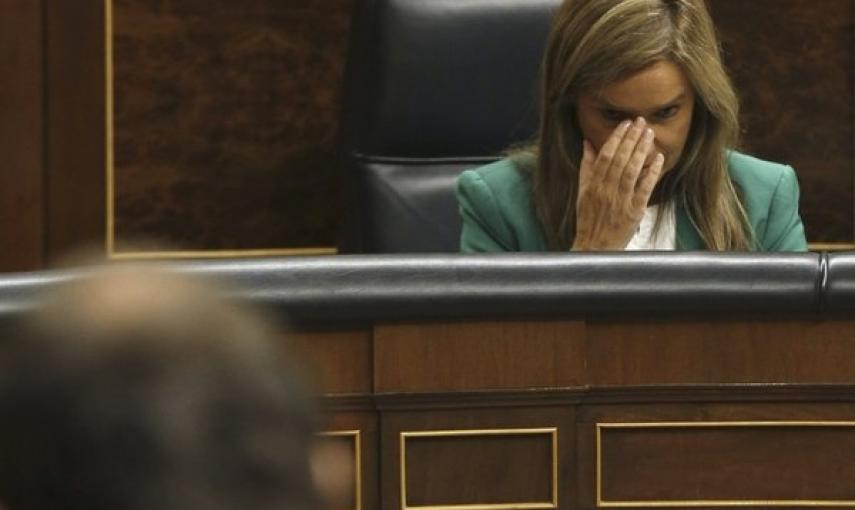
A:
x: 138, y: 389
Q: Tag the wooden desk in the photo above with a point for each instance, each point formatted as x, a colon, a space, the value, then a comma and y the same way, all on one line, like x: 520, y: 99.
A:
x: 596, y: 412
x: 571, y: 381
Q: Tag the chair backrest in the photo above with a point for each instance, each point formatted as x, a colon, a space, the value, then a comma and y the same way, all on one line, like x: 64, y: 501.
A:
x: 433, y: 87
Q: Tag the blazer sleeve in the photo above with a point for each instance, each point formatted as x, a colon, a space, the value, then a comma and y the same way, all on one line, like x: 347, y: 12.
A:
x: 784, y: 229
x: 484, y: 228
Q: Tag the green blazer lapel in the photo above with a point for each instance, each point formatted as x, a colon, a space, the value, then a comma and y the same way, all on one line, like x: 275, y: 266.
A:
x: 687, y: 237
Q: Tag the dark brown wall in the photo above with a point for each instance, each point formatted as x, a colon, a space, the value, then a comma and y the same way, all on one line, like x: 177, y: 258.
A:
x: 21, y: 124
x: 226, y: 114
x: 75, y: 131
x: 225, y: 123
x: 52, y: 138
x: 793, y: 63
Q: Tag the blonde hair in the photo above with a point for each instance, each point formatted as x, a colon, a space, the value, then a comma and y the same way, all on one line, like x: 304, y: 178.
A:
x: 592, y: 44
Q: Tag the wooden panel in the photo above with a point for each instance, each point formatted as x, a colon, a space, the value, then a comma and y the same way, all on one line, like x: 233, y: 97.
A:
x: 715, y: 470
x: 458, y: 356
x: 436, y: 478
x: 619, y: 351
x: 775, y: 461
x: 499, y: 466
x: 225, y: 121
x: 671, y: 350
x: 792, y: 63
x: 340, y: 360
x: 76, y: 112
x: 21, y: 142
x: 367, y: 469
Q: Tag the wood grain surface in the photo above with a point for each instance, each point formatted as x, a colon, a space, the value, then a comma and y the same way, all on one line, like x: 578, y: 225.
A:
x: 338, y: 360
x: 75, y: 204
x: 642, y: 463
x: 792, y: 62
x: 476, y: 469
x: 225, y: 120
x: 21, y: 143
x: 461, y: 356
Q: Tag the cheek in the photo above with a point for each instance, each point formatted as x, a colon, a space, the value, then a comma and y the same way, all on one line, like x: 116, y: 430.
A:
x: 681, y: 131
x: 667, y: 141
x: 670, y: 141
x: 596, y: 133
x: 672, y: 138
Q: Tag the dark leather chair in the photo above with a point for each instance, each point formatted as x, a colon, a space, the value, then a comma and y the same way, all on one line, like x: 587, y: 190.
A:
x: 433, y: 87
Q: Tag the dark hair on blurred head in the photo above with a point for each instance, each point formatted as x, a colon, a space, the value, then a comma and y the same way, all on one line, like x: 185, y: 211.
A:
x: 137, y: 389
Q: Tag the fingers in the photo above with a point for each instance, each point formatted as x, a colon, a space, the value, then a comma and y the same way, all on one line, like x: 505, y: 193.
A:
x: 588, y: 155
x: 629, y: 177
x: 648, y: 181
x: 609, y: 149
x: 615, y: 186
x: 624, y: 152
x: 588, y: 158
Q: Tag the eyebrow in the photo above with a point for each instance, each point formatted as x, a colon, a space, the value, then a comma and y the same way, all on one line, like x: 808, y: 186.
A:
x: 607, y: 105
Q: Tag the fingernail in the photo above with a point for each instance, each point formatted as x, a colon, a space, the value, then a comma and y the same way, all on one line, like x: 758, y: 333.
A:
x: 648, y: 134
x: 625, y: 124
x: 660, y: 158
x: 640, y: 121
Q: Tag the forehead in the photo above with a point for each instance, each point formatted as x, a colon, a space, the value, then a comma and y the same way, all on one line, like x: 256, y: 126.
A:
x: 655, y: 85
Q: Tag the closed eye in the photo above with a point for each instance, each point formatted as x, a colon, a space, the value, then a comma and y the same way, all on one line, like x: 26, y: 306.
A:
x: 614, y: 116
x: 667, y: 113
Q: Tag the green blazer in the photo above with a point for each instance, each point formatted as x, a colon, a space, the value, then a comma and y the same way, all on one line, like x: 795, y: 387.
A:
x: 498, y: 212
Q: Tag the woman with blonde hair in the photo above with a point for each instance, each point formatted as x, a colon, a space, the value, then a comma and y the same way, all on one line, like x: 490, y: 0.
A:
x: 635, y: 150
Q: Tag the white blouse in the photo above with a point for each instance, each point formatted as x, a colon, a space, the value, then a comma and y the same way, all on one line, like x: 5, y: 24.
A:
x: 665, y: 239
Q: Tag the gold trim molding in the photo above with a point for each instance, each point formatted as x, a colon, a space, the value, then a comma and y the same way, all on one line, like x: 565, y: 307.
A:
x: 110, y: 238
x: 552, y: 432
x: 108, y: 125
x: 831, y: 246
x: 356, y: 435
x: 601, y: 503
x: 220, y: 254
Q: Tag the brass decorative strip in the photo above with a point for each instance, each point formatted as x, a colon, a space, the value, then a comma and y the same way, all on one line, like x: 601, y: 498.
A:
x: 831, y: 247
x: 547, y: 505
x: 724, y: 504
x: 497, y: 506
x: 110, y: 238
x: 357, y: 460
x: 601, y: 503
x: 110, y: 139
x: 200, y: 254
